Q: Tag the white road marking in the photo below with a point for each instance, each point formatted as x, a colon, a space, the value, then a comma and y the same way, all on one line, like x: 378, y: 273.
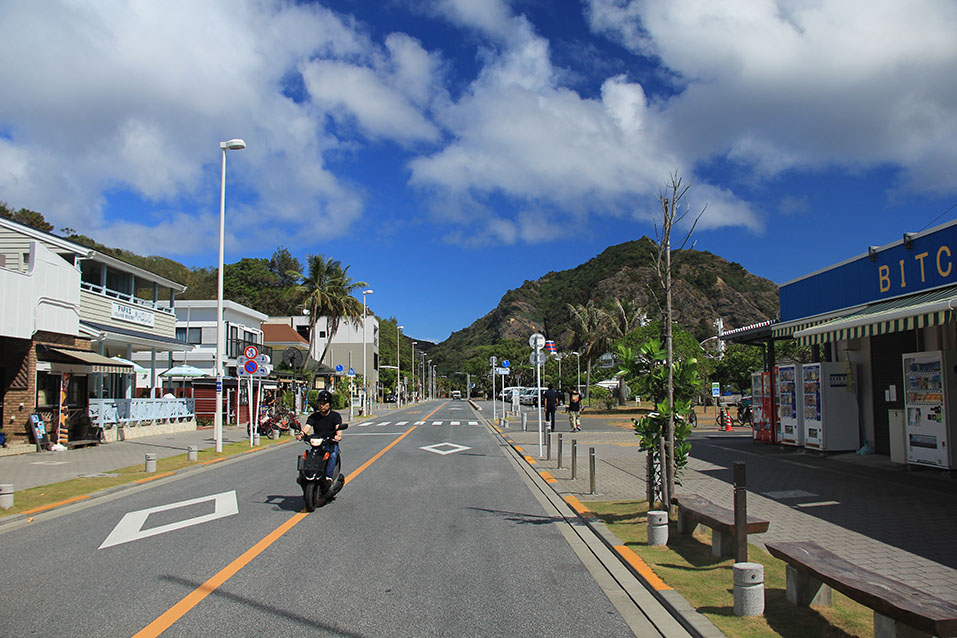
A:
x: 49, y: 463
x: 818, y: 504
x: 130, y: 526
x: 450, y: 448
x: 455, y: 423
x: 420, y: 422
x: 383, y: 423
x: 402, y: 423
x: 788, y: 494
x: 473, y: 422
x: 436, y: 423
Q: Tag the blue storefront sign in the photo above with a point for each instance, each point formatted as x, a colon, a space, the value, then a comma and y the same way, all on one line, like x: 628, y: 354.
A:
x: 921, y: 262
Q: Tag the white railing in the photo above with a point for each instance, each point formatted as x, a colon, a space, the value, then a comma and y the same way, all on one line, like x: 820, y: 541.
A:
x: 161, y: 306
x: 107, y: 413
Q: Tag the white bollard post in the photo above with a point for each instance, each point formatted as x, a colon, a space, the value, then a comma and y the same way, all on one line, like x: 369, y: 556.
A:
x: 192, y: 453
x: 6, y: 495
x: 748, y: 589
x: 524, y: 421
x: 150, y: 462
x: 657, y: 527
x: 255, y: 439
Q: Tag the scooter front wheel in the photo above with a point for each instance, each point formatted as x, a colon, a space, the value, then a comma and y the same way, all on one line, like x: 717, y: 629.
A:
x: 310, y: 494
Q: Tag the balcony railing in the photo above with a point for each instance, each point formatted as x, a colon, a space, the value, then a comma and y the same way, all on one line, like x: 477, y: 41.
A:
x: 161, y: 306
x: 107, y: 413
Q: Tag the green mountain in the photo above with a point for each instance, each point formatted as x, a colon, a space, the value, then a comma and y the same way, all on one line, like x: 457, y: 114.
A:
x: 706, y: 287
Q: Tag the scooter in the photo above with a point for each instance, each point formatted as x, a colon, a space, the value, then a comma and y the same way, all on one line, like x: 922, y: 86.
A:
x: 316, y: 488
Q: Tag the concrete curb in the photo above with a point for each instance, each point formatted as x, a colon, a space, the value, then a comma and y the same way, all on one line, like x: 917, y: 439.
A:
x: 86, y: 498
x: 695, y: 623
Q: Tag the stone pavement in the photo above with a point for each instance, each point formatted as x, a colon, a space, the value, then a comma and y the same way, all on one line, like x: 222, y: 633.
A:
x: 899, y: 523
x: 43, y: 468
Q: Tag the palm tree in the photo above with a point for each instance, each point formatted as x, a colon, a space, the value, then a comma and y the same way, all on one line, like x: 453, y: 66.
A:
x: 624, y: 317
x: 590, y: 334
x: 328, y: 293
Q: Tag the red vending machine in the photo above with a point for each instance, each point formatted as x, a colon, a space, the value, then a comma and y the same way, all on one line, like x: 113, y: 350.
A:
x: 761, y: 411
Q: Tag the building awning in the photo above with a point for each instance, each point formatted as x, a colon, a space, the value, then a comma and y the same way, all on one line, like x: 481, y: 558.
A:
x: 789, y: 328
x: 97, y: 362
x: 894, y: 315
x: 136, y: 338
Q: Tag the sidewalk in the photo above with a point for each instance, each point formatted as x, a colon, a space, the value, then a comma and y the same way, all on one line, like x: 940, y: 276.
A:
x: 875, y: 514
x: 43, y: 468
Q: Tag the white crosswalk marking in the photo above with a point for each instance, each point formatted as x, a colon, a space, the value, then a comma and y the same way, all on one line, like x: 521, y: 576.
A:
x: 455, y: 423
x: 436, y: 423
x: 420, y: 422
x: 473, y: 422
x: 402, y: 423
x: 362, y: 425
x: 383, y: 423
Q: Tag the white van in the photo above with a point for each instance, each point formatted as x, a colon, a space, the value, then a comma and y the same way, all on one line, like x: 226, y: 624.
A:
x: 530, y: 396
x: 456, y: 395
x: 506, y: 393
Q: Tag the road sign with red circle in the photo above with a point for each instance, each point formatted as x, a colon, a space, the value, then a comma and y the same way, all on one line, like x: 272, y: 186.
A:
x: 251, y: 367
x: 251, y: 352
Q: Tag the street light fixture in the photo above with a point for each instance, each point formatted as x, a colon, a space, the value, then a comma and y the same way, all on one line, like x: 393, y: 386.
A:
x: 365, y: 375
x: 229, y: 145
x: 398, y: 372
x: 578, y: 359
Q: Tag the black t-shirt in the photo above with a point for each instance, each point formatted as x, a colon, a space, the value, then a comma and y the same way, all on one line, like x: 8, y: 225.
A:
x: 551, y: 399
x: 324, y: 426
x: 575, y: 402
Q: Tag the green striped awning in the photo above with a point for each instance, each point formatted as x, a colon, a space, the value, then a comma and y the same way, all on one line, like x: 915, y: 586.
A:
x: 923, y: 310
x: 787, y: 329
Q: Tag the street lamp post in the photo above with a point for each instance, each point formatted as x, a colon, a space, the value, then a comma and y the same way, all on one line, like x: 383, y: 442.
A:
x: 429, y: 378
x: 365, y: 374
x: 229, y: 145
x: 413, y: 370
x: 578, y: 359
x: 398, y: 372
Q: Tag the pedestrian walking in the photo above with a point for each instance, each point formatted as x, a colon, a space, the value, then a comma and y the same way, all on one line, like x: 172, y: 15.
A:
x: 575, y: 410
x: 551, y: 404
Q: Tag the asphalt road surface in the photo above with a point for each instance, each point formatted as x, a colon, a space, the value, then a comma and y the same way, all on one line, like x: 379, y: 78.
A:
x: 437, y: 532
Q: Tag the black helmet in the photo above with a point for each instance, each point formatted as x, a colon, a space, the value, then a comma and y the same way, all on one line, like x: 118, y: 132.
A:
x: 324, y: 396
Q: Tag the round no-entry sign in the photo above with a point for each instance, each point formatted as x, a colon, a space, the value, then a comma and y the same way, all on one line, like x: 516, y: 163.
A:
x: 251, y: 352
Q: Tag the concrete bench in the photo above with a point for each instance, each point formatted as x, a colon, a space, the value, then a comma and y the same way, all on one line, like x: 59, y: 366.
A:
x: 900, y: 610
x: 694, y: 510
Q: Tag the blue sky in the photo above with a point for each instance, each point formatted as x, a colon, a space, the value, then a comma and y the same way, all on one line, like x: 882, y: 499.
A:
x: 450, y: 150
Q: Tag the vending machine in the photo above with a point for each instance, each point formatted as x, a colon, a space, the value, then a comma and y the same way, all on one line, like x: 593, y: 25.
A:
x: 790, y: 404
x: 830, y: 407
x: 761, y: 407
x: 929, y: 395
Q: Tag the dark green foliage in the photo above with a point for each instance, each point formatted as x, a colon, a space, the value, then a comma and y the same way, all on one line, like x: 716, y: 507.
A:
x: 27, y: 217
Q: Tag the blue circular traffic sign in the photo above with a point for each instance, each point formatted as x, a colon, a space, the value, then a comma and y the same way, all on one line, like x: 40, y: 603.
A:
x: 251, y: 367
x: 505, y: 363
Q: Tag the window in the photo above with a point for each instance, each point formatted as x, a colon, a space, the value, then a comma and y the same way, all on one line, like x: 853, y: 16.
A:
x: 190, y: 335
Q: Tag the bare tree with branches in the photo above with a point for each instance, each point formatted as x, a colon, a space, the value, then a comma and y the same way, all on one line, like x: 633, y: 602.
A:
x: 674, y: 209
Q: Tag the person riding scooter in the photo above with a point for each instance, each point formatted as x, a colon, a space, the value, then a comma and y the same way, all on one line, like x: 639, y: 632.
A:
x: 325, y: 422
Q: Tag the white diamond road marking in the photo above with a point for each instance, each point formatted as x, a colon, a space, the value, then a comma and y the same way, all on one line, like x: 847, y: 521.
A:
x: 788, y: 494
x: 130, y: 526
x: 450, y: 448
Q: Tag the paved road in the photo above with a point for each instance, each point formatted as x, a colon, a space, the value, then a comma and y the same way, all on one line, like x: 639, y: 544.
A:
x: 443, y: 533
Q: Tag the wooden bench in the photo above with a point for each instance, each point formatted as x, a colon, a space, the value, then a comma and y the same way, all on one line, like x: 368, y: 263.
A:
x: 694, y: 510
x: 899, y: 609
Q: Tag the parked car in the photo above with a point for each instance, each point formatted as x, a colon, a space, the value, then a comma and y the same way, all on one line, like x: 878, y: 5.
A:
x: 389, y: 398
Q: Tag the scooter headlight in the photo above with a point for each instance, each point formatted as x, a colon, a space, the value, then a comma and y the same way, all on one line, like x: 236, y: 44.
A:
x: 316, y: 441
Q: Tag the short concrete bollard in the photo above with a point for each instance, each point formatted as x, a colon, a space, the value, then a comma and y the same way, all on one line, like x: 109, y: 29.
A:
x: 274, y: 434
x: 192, y: 453
x: 150, y: 462
x: 524, y: 421
x: 6, y: 495
x: 657, y: 528
x: 256, y: 439
x: 748, y: 589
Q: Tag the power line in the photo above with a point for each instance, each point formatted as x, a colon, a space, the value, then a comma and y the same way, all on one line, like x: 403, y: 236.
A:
x: 939, y: 216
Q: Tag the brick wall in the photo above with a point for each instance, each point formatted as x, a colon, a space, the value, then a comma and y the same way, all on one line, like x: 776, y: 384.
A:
x: 18, y: 362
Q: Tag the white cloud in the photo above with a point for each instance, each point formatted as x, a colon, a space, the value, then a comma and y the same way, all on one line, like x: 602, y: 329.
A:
x: 789, y: 84
x: 136, y: 96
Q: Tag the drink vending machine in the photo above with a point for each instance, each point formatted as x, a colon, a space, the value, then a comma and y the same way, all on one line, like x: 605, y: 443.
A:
x: 930, y: 423
x: 790, y: 404
x: 761, y: 407
x: 830, y: 407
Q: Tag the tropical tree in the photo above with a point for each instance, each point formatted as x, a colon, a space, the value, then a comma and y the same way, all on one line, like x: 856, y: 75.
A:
x: 590, y: 336
x: 327, y: 292
x: 621, y: 319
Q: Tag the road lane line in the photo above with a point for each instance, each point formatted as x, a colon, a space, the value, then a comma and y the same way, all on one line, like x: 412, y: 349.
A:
x: 177, y: 611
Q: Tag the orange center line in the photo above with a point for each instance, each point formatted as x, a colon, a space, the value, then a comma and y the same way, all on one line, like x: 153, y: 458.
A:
x: 177, y: 611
